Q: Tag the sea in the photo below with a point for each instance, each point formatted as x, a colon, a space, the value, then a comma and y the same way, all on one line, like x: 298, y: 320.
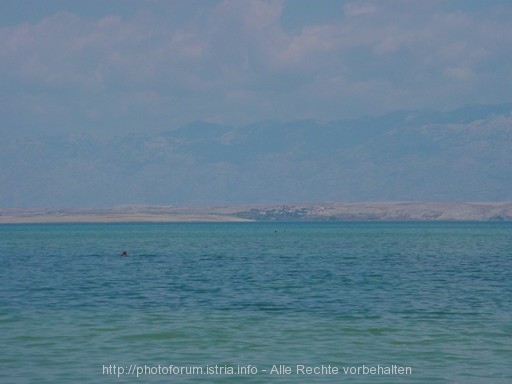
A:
x: 254, y: 302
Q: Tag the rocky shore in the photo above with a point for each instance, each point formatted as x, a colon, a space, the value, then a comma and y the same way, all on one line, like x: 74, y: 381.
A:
x: 367, y: 211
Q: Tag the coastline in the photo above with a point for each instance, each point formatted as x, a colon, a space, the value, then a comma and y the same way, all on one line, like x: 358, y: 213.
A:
x: 363, y: 211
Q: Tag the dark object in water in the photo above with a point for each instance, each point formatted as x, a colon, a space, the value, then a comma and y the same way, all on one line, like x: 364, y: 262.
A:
x: 124, y: 253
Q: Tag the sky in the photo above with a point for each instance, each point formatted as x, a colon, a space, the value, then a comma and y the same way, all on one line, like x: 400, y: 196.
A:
x: 122, y: 66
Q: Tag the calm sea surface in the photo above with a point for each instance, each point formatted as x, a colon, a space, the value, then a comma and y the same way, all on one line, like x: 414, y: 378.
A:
x: 256, y: 303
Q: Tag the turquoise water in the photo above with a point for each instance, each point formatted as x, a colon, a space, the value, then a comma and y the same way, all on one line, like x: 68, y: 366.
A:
x: 371, y: 299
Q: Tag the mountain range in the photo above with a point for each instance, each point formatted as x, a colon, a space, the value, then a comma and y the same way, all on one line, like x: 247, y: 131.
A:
x: 453, y: 156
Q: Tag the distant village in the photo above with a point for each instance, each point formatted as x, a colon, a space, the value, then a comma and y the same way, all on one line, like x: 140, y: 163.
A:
x: 285, y: 212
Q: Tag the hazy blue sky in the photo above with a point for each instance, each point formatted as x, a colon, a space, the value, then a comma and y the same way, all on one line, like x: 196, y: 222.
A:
x: 124, y: 65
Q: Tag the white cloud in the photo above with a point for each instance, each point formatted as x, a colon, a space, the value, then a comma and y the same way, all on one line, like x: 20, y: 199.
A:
x: 235, y: 61
x: 358, y: 9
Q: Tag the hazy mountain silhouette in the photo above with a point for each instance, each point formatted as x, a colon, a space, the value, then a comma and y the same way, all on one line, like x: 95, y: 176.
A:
x: 460, y: 155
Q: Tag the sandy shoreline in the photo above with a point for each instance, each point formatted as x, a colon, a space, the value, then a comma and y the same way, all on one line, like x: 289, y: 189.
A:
x: 108, y: 217
x: 369, y: 211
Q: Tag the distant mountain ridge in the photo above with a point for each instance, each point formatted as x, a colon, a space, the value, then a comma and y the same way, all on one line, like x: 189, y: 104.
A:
x: 460, y: 155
